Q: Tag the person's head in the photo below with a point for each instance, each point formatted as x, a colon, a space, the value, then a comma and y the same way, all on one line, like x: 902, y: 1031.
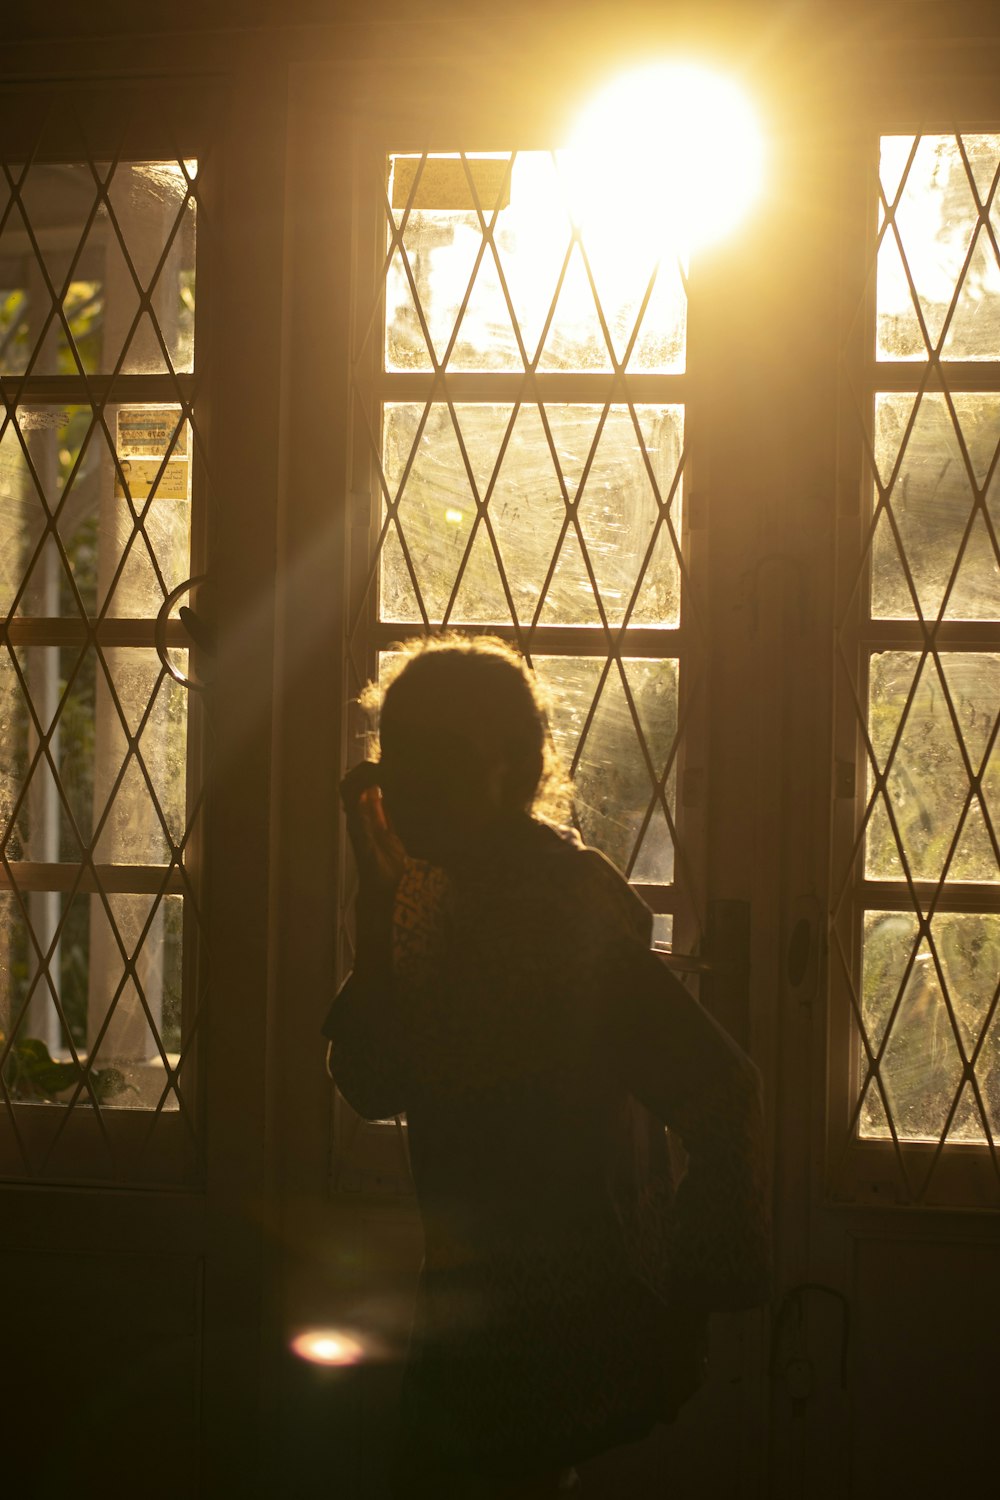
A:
x: 464, y: 743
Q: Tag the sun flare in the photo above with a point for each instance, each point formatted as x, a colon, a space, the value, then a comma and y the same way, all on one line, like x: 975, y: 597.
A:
x: 668, y: 156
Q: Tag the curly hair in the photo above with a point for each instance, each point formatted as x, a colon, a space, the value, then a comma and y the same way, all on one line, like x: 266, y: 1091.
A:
x: 503, y: 704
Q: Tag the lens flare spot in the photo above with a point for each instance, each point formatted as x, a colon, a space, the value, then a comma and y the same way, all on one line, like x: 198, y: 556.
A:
x: 327, y: 1346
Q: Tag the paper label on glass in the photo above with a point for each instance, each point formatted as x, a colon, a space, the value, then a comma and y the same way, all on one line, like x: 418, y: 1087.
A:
x: 449, y: 184
x: 143, y: 475
x: 145, y: 434
x: 151, y: 431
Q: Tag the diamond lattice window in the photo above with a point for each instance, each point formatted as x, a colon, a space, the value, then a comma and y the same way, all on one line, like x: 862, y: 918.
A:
x: 519, y: 458
x: 523, y: 399
x: 916, y: 934
x: 98, y: 800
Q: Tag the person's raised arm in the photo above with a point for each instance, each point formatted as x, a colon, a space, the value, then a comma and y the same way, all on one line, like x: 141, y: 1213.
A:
x: 366, y: 1055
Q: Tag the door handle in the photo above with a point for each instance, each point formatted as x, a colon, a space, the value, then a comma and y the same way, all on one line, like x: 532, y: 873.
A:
x: 201, y: 635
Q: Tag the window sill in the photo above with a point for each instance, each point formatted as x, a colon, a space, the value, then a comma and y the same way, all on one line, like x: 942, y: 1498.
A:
x: 144, y: 1084
x: 45, y: 1142
x: 918, y: 1175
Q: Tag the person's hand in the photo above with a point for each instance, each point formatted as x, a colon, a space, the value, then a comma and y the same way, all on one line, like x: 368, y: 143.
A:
x: 378, y: 853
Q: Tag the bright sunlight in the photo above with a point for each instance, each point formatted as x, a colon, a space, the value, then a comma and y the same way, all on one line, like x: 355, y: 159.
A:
x: 663, y: 161
x: 670, y: 155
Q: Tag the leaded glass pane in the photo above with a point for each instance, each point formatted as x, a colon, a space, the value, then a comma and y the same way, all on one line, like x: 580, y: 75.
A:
x: 620, y: 754
x: 97, y: 802
x: 95, y: 515
x: 81, y: 248
x: 90, y: 997
x: 938, y: 274
x: 936, y: 719
x: 937, y: 538
x: 71, y: 781
x: 488, y: 274
x: 618, y: 466
x: 929, y: 1008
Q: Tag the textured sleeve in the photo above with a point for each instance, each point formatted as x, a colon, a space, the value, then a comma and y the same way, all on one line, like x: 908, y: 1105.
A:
x: 369, y: 1057
x: 367, y: 1054
x: 691, y: 1075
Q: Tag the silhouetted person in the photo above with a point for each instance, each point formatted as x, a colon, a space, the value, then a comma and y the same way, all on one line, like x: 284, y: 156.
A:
x: 504, y: 997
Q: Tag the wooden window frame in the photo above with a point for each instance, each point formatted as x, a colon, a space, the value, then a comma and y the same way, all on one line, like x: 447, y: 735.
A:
x: 875, y: 1172
x: 126, y: 1146
x: 373, y: 1155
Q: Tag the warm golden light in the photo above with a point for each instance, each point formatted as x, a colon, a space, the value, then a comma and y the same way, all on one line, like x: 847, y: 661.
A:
x: 583, y: 265
x: 667, y: 157
x: 327, y: 1346
x: 926, y: 184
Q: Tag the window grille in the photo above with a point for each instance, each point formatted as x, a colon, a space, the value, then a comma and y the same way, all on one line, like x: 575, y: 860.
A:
x: 99, y: 787
x: 915, y: 935
x: 520, y: 459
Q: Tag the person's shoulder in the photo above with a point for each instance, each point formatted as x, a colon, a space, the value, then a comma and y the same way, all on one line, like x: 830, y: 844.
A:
x: 600, y: 891
x: 610, y: 891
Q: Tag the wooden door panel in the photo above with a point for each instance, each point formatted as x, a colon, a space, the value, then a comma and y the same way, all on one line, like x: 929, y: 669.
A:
x: 923, y: 1363
x: 102, y: 1373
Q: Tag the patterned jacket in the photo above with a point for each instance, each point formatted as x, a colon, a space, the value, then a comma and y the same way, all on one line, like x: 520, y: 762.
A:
x: 538, y: 1049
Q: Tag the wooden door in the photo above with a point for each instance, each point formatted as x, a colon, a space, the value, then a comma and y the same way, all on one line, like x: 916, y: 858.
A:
x: 135, y: 907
